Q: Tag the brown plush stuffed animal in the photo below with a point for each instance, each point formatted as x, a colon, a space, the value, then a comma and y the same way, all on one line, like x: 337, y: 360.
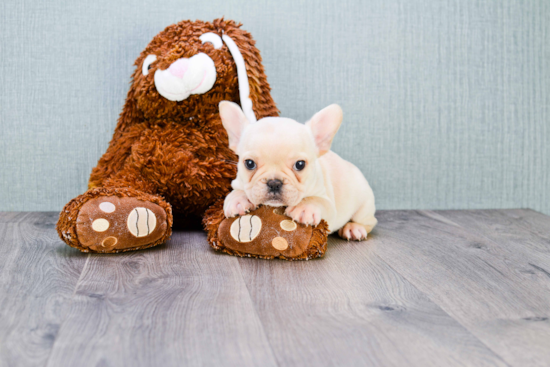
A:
x: 169, y: 150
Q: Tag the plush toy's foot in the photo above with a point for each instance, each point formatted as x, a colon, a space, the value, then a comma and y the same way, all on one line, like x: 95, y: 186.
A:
x: 110, y: 223
x: 115, y: 220
x: 353, y: 231
x: 265, y: 232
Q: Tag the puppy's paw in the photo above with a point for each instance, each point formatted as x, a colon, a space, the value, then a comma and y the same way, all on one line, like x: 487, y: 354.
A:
x: 236, y: 203
x: 353, y: 231
x: 306, y: 213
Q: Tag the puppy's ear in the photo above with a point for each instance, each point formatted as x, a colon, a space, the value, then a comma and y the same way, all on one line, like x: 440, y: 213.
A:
x: 324, y: 125
x: 234, y: 121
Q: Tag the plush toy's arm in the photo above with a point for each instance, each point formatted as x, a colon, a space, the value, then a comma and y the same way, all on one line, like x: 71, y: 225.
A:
x: 192, y: 165
x: 129, y: 129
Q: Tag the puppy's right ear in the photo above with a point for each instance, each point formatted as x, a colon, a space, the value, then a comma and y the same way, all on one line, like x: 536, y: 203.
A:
x: 234, y: 121
x: 324, y: 125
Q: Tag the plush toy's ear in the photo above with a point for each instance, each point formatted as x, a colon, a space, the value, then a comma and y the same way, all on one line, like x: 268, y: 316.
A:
x: 260, y: 91
x: 234, y: 121
x: 324, y: 125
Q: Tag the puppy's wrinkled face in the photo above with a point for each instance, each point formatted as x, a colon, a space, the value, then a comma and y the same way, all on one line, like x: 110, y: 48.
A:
x: 278, y: 157
x: 276, y: 160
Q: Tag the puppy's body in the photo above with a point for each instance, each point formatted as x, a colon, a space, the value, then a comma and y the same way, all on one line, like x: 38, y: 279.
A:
x: 350, y: 192
x: 285, y: 163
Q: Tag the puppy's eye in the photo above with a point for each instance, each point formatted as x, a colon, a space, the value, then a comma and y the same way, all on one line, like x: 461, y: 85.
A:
x: 299, y: 165
x: 250, y: 164
x: 147, y: 64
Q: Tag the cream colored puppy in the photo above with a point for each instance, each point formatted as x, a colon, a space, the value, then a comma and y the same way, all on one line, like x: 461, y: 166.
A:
x: 285, y: 163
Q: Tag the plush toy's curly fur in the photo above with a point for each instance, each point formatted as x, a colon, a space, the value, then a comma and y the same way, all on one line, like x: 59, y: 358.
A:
x: 175, y: 154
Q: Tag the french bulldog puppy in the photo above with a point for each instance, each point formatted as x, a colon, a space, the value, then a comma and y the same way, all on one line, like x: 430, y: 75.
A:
x: 285, y: 163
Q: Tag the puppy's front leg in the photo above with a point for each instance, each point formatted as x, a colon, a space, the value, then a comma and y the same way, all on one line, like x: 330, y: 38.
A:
x: 309, y: 211
x: 237, y: 203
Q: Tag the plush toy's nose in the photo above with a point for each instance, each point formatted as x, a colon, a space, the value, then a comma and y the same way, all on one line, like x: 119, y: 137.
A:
x: 179, y: 67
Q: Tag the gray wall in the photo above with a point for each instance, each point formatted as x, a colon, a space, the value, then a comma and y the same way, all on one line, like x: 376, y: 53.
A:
x: 446, y: 102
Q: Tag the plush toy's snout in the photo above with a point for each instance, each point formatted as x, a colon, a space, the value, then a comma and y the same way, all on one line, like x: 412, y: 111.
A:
x: 186, y: 76
x: 179, y: 67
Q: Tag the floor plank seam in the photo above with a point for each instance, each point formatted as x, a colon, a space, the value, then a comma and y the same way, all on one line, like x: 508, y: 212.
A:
x: 444, y: 310
x: 437, y: 216
x: 256, y: 312
x: 69, y: 308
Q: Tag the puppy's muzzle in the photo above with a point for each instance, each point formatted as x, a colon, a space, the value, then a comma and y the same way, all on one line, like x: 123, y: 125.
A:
x: 274, y: 186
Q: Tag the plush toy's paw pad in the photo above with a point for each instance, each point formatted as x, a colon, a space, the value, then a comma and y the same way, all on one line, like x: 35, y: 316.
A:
x: 111, y: 223
x: 353, y: 231
x: 246, y: 228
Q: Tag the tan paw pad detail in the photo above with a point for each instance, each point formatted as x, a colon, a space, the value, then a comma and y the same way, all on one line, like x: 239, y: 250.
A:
x: 141, y: 222
x: 246, y: 228
x: 279, y: 243
x: 109, y: 242
x: 107, y: 207
x: 100, y: 225
x: 288, y: 225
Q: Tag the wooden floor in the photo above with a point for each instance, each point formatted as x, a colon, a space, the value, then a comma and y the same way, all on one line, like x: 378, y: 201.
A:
x: 444, y: 288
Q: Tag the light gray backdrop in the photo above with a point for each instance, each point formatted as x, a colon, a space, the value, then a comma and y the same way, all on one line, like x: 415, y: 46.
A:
x: 445, y: 102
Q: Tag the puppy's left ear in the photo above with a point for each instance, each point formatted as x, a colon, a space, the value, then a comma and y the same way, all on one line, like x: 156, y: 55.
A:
x: 324, y: 125
x: 234, y: 121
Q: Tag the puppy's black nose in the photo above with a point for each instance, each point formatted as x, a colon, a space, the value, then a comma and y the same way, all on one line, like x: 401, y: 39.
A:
x: 274, y: 185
